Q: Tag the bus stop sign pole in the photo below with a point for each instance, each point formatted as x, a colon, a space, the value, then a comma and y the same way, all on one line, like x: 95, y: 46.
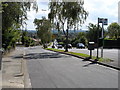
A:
x: 104, y: 21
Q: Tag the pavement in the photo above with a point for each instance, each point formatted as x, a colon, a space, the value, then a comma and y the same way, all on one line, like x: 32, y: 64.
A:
x: 14, y: 71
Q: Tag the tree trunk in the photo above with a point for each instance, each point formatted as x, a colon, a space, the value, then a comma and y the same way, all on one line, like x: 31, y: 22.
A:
x: 66, y: 48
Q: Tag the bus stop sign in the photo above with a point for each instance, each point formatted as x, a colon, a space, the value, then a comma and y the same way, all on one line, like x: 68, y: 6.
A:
x: 103, y: 20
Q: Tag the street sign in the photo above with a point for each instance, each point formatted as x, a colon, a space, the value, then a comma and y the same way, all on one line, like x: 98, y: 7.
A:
x: 100, y: 20
x: 103, y: 20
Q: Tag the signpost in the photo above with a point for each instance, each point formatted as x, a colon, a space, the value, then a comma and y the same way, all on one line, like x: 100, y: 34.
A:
x: 98, y: 40
x: 104, y: 21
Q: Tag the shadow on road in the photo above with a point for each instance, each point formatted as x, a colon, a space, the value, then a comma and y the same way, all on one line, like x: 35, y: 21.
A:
x: 87, y: 59
x: 44, y: 55
x: 92, y: 63
x: 17, y: 56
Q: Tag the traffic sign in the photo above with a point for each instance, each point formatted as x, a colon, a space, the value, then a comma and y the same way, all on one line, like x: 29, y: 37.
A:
x: 100, y: 20
x: 103, y: 20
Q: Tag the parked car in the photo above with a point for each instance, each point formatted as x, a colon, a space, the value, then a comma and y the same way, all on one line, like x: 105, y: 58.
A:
x: 80, y: 45
x: 69, y: 46
x: 59, y: 46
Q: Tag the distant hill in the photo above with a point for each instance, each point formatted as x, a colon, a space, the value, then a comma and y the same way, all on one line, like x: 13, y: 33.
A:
x: 56, y: 31
x: 70, y: 31
x: 32, y: 31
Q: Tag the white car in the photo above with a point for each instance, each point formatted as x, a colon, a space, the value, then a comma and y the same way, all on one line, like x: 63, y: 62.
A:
x: 80, y: 45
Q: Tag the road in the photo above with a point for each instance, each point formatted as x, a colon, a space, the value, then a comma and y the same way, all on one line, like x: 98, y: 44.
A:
x: 54, y: 70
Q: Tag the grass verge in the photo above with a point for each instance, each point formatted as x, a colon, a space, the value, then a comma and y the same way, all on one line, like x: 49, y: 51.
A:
x: 82, y: 55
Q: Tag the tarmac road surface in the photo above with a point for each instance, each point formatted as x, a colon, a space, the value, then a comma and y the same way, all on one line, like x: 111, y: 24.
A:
x: 54, y: 70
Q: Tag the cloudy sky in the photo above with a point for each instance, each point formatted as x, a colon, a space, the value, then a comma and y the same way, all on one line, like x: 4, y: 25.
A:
x: 96, y: 8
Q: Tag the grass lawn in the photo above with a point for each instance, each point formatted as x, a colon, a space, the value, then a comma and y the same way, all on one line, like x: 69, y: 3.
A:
x: 82, y: 55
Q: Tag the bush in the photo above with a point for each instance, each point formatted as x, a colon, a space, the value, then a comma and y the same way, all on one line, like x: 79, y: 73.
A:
x: 61, y: 43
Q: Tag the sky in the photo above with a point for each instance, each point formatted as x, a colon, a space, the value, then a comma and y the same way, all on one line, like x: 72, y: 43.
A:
x: 96, y: 8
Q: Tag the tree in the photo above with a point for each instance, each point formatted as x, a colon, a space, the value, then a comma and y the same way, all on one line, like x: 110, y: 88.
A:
x: 11, y: 36
x: 67, y: 13
x: 93, y: 32
x: 14, y: 15
x: 82, y: 37
x: 79, y: 38
x: 114, y: 30
x: 43, y: 30
x: 24, y: 35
